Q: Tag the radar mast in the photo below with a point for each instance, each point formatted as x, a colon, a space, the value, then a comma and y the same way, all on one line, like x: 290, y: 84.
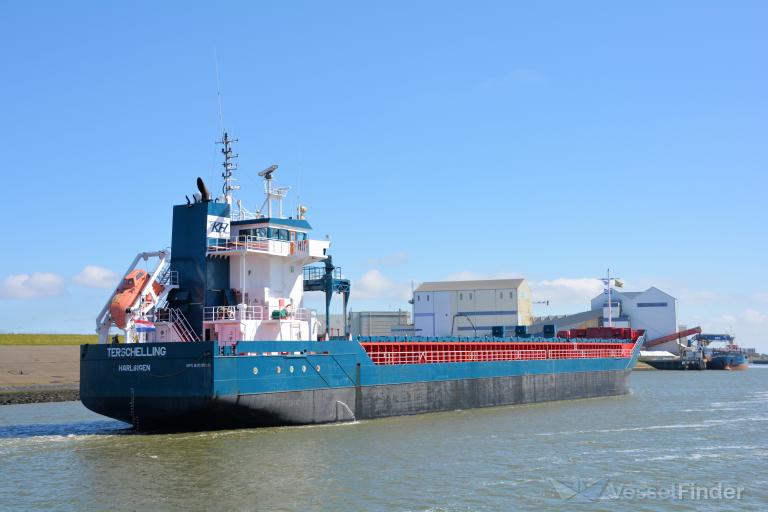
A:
x: 229, y: 167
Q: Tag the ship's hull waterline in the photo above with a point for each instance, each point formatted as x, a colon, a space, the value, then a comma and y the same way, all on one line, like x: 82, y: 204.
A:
x: 187, y: 388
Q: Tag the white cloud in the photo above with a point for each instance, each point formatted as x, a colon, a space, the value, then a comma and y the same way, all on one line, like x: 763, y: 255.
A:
x: 678, y: 289
x: 565, y: 291
x: 93, y: 276
x: 694, y: 296
x: 477, y: 276
x: 754, y: 316
x: 393, y: 259
x: 34, y: 286
x: 748, y: 326
x: 762, y: 297
x: 375, y: 285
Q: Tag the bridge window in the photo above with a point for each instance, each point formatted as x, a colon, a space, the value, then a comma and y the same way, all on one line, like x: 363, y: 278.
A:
x: 271, y: 233
x: 261, y: 232
x: 282, y: 234
x: 301, y: 236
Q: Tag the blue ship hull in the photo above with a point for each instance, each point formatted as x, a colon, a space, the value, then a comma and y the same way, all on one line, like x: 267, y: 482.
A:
x: 187, y: 386
x: 728, y: 361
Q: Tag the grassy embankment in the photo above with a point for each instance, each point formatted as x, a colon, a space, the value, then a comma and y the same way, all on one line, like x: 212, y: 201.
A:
x: 47, y: 339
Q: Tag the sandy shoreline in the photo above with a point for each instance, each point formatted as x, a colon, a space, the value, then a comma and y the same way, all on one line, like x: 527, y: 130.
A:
x: 39, y: 373
x: 39, y: 394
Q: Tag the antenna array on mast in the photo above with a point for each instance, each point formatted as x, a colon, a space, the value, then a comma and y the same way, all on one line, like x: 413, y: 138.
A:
x: 229, y: 167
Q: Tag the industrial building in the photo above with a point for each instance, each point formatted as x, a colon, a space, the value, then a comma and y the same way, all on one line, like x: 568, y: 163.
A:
x: 582, y: 320
x: 475, y: 308
x: 378, y: 323
x: 369, y: 323
x: 471, y: 308
x: 652, y: 310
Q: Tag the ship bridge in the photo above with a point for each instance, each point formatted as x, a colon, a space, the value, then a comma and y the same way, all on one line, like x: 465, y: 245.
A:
x: 270, y: 236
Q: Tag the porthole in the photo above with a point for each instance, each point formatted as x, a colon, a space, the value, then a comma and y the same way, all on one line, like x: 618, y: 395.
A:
x: 290, y: 368
x: 303, y: 368
x: 278, y: 369
x: 317, y: 368
x: 255, y: 370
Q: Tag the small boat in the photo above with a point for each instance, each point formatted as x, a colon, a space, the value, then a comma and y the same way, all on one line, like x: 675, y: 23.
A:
x: 732, y: 358
x: 128, y: 292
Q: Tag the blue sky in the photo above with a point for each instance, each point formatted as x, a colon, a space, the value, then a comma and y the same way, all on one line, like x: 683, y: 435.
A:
x: 429, y: 139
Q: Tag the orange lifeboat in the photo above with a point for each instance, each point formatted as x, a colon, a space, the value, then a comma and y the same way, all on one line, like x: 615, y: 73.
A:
x: 127, y: 293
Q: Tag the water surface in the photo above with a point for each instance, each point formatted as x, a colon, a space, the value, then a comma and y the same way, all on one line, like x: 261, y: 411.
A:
x: 703, y: 428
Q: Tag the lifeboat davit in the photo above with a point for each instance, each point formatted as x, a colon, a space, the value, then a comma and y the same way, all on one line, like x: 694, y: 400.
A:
x: 128, y: 293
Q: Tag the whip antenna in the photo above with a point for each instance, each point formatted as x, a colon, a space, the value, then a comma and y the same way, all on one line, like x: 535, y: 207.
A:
x: 218, y: 91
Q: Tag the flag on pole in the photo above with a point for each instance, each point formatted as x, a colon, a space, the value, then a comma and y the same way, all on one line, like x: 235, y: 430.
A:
x: 618, y: 283
x: 144, y: 325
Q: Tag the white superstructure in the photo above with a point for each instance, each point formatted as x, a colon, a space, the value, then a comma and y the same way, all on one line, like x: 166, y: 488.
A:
x: 237, y: 275
x: 266, y: 256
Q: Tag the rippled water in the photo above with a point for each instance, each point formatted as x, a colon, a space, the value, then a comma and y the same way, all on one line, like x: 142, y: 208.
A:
x: 704, y: 428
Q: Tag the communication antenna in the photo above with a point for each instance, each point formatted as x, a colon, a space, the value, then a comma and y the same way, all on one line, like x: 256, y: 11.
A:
x: 229, y: 155
x: 229, y: 167
x: 218, y: 91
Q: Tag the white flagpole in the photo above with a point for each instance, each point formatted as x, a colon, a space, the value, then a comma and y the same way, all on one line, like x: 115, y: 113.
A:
x: 610, y: 306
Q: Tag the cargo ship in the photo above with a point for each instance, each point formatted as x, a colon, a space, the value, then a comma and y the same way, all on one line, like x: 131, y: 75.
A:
x: 214, y: 333
x: 696, y: 353
x: 730, y: 357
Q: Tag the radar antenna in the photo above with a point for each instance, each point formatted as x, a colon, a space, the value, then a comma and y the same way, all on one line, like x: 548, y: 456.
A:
x: 270, y: 192
x: 229, y: 167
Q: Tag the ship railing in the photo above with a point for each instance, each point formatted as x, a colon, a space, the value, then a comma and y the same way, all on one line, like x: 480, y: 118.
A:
x: 302, y: 314
x: 216, y: 313
x: 455, y: 356
x: 464, y: 356
x: 223, y: 313
x: 254, y: 243
x: 590, y: 353
x: 317, y: 272
x: 293, y: 314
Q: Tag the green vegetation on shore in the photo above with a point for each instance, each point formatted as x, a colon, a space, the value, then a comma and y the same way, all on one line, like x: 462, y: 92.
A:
x: 47, y: 339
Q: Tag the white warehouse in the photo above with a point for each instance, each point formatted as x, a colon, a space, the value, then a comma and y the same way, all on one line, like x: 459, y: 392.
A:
x: 652, y: 310
x: 468, y: 308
